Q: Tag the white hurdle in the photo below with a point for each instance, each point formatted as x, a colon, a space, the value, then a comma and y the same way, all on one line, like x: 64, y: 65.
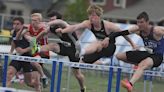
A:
x: 59, y: 61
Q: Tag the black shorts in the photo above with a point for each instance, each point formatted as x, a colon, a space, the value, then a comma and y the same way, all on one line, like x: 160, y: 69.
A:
x: 26, y: 66
x: 105, y: 52
x: 68, y: 51
x: 135, y: 57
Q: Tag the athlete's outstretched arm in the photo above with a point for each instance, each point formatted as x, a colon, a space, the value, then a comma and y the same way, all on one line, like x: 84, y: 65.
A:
x: 75, y: 27
x: 118, y: 32
x: 47, y: 26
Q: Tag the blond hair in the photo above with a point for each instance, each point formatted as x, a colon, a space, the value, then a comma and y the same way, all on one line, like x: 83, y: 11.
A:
x: 94, y: 8
x: 39, y: 15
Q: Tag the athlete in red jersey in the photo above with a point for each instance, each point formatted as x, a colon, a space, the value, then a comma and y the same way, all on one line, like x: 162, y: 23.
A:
x: 35, y: 28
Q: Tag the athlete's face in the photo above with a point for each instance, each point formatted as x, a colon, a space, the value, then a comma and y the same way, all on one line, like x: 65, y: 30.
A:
x: 35, y: 21
x: 142, y: 23
x: 52, y: 18
x: 94, y: 18
x: 17, y: 25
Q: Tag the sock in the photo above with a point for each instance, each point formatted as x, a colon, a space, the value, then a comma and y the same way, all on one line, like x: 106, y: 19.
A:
x: 82, y: 52
x: 44, y: 76
x: 38, y: 50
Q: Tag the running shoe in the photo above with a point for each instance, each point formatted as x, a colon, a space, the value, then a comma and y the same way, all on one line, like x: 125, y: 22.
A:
x: 33, y: 45
x: 126, y: 84
x: 83, y: 90
x: 44, y: 81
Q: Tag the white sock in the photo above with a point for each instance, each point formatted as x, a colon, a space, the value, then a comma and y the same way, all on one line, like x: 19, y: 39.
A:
x: 82, y: 52
x: 44, y: 76
x: 39, y: 48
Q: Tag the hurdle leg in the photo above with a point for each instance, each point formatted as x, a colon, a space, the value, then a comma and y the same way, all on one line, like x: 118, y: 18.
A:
x: 145, y: 79
x: 118, y: 80
x: 69, y: 76
x: 59, y: 76
x: 150, y: 84
x: 110, y: 79
x: 53, y: 76
x: 5, y: 71
x: 110, y: 76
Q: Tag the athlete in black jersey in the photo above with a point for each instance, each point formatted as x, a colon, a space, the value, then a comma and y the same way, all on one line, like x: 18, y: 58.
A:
x: 22, y: 48
x: 60, y: 48
x: 101, y: 29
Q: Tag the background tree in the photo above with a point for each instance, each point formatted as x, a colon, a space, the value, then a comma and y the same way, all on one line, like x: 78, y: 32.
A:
x: 76, y: 11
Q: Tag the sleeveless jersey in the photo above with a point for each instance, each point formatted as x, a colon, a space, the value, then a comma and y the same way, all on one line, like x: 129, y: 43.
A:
x: 100, y: 34
x: 151, y: 42
x: 22, y: 42
x: 42, y: 41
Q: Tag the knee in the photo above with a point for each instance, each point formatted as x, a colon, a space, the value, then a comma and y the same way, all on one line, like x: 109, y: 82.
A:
x: 119, y: 56
x: 10, y: 73
x: 33, y: 83
x: 30, y: 83
x: 99, y: 47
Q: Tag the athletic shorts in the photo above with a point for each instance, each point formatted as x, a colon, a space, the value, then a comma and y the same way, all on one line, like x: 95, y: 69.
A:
x: 26, y: 66
x: 68, y: 51
x: 135, y: 57
x: 105, y: 52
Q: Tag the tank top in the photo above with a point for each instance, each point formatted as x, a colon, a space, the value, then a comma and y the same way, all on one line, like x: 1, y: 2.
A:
x: 22, y: 42
x: 100, y: 34
x: 43, y: 40
x: 151, y: 42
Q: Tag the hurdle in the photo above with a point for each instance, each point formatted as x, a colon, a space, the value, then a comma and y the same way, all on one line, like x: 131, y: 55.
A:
x: 4, y: 89
x: 56, y: 61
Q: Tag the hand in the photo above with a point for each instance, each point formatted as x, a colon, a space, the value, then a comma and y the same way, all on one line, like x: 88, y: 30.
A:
x: 59, y: 31
x: 105, y: 42
x: 47, y: 27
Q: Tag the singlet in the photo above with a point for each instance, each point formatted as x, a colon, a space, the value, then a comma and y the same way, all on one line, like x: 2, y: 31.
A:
x: 42, y: 41
x: 100, y: 34
x: 151, y: 42
x: 22, y: 42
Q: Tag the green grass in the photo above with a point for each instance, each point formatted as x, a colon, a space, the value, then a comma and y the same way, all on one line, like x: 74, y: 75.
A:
x: 95, y: 81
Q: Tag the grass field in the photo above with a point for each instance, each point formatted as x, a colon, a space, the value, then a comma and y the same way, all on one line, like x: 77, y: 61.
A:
x: 95, y: 81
